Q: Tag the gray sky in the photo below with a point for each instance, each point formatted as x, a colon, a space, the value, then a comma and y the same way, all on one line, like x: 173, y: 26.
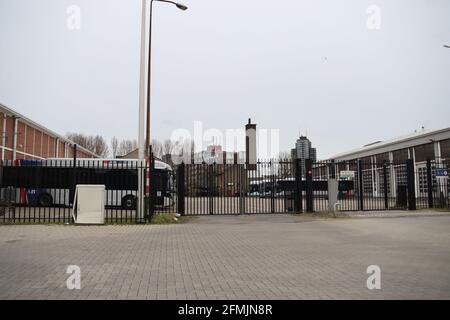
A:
x: 289, y: 64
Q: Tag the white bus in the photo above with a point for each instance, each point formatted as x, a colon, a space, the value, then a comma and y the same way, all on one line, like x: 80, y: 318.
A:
x: 51, y: 182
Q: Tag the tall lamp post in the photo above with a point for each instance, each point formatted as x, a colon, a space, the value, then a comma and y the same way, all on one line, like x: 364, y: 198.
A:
x: 149, y: 74
x: 144, y: 145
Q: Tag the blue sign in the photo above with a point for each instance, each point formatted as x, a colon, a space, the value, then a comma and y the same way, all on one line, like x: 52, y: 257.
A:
x: 441, y: 173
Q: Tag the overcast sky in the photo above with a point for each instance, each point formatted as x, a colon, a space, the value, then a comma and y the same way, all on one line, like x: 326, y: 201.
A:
x: 292, y: 65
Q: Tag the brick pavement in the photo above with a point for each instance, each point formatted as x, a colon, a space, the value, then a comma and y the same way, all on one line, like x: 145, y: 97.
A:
x: 230, y: 257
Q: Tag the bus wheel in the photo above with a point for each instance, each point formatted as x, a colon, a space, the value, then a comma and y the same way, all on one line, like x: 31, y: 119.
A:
x: 129, y: 202
x: 45, y: 200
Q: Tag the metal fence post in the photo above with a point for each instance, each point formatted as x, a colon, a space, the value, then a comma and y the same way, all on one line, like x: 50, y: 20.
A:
x: 210, y: 182
x: 309, y: 186
x: 298, y: 201
x: 272, y: 188
x: 180, y: 189
x: 429, y: 184
x: 151, y: 192
x: 332, y: 169
x: 360, y: 186
x: 410, y: 178
x: 242, y: 190
x: 385, y: 186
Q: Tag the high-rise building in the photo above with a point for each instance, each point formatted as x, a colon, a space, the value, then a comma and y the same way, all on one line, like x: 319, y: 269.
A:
x: 303, y: 149
x: 313, y: 154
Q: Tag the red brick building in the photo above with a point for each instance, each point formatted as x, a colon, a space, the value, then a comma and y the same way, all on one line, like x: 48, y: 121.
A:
x: 22, y: 138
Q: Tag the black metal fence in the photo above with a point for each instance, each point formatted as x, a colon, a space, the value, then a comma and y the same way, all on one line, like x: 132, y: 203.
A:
x: 268, y: 187
x: 43, y: 191
x: 364, y: 185
x: 302, y: 186
x: 432, y: 186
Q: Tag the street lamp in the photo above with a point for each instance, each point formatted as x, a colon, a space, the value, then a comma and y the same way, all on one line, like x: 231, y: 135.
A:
x: 144, y: 147
x: 149, y: 75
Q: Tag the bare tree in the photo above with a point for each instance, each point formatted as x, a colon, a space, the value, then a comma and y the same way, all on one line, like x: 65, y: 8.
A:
x: 285, y: 165
x: 96, y: 144
x: 284, y: 156
x: 157, y: 148
x: 126, y: 146
x: 101, y: 146
x: 78, y: 138
x: 114, y: 146
x: 183, y: 149
x: 167, y: 147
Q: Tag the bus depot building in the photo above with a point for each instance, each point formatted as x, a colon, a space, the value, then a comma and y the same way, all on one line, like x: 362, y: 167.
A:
x: 422, y: 147
x: 24, y: 139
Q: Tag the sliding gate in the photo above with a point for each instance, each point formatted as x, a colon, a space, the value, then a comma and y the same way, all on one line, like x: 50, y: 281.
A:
x: 302, y: 186
x: 265, y: 187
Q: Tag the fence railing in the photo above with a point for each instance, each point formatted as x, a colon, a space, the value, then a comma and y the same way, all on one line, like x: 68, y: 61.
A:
x: 302, y: 185
x: 43, y: 191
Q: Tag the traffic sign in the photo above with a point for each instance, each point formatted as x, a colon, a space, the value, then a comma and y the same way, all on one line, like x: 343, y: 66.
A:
x: 441, y: 173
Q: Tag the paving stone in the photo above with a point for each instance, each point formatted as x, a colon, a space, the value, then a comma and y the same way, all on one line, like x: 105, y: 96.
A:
x: 232, y: 257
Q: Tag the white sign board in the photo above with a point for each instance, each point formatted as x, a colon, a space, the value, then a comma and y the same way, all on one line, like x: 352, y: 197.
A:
x: 89, y: 204
x: 347, y: 175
